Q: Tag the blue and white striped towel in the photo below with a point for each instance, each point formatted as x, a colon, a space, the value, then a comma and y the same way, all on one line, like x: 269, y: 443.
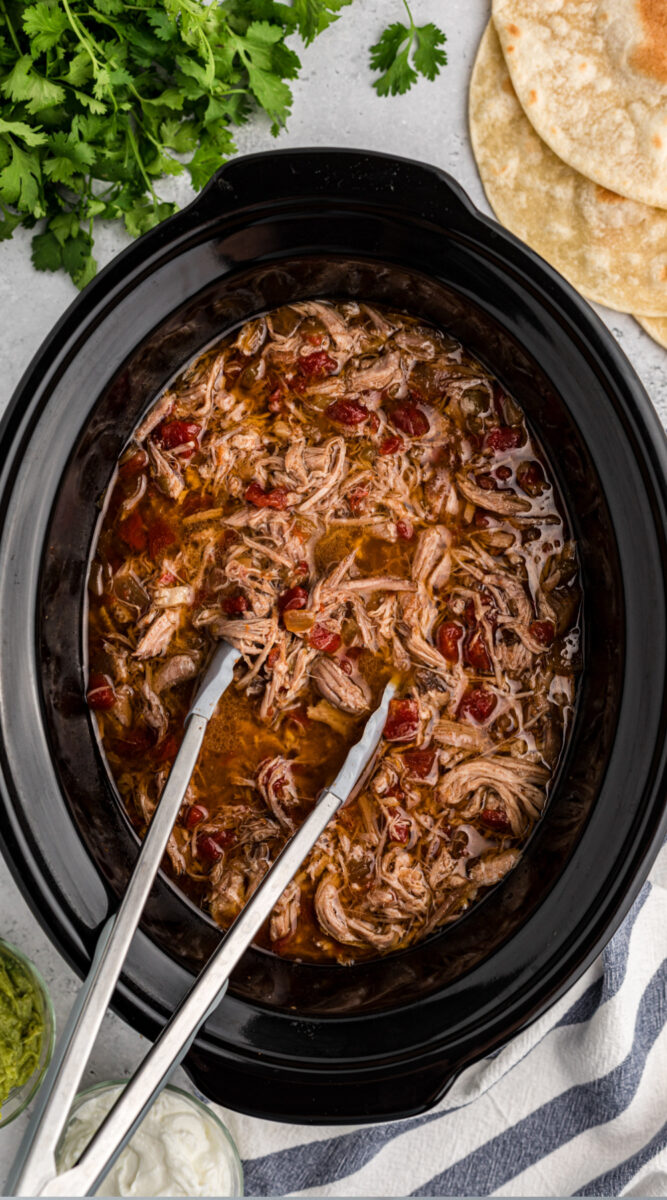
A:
x: 575, y: 1105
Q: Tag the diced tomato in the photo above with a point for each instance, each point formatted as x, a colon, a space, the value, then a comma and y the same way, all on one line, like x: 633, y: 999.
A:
x: 195, y: 814
x: 275, y: 498
x: 530, y: 478
x: 475, y: 653
x: 133, y: 465
x: 321, y: 638
x: 391, y: 445
x: 300, y: 716
x: 166, y: 749
x: 226, y: 837
x: 100, y: 694
x: 135, y: 743
x: 410, y: 419
x: 356, y: 499
x: 167, y: 578
x: 174, y: 434
x: 496, y: 820
x: 345, y: 666
x: 276, y: 400
x: 405, y: 531
x: 314, y: 339
x: 302, y: 567
x: 503, y: 438
x: 402, y: 721
x: 373, y: 422
x: 272, y: 657
x: 447, y: 640
x: 488, y: 602
x: 354, y: 652
x: 400, y: 831
x: 297, y: 383
x: 317, y: 365
x: 194, y: 503
x: 543, y: 632
x: 419, y: 762
x: 478, y: 703
x: 481, y: 520
x: 209, y: 848
x: 161, y: 535
x: 235, y: 604
x: 347, y: 412
x: 133, y: 531
x: 292, y: 598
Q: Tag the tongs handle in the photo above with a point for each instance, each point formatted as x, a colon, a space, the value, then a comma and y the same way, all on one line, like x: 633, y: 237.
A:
x: 36, y: 1161
x: 179, y: 1033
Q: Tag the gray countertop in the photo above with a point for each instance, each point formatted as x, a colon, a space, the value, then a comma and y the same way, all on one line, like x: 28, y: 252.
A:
x: 334, y: 106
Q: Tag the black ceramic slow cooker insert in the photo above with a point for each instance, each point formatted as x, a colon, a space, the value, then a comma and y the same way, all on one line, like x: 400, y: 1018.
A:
x: 384, y: 1038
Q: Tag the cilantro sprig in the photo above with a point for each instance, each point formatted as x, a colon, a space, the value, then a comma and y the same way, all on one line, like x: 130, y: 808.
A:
x: 403, y: 52
x: 100, y: 99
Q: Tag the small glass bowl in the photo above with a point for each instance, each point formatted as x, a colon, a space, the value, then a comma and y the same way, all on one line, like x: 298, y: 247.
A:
x: 227, y: 1142
x: 19, y: 1098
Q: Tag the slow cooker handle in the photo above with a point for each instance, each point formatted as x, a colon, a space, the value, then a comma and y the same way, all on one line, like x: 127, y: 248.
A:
x: 276, y: 179
x: 307, y: 1097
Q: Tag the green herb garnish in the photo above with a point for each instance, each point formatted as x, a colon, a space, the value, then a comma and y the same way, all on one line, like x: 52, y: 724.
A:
x: 99, y: 99
x: 21, y: 1025
x: 403, y: 52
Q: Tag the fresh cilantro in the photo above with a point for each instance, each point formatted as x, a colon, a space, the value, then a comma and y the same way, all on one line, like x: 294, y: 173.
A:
x: 312, y: 17
x: 403, y: 52
x: 100, y: 99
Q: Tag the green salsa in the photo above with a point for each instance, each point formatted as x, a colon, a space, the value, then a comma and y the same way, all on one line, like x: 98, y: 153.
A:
x: 21, y: 1024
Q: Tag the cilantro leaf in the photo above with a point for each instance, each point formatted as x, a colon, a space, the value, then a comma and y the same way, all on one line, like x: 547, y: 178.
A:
x: 24, y: 83
x: 405, y: 51
x: 31, y: 137
x: 21, y: 181
x: 257, y: 56
x: 312, y: 17
x: 100, y: 100
x: 392, y: 56
x: 68, y: 157
x: 46, y: 252
x: 44, y: 24
x: 10, y: 221
x: 428, y: 56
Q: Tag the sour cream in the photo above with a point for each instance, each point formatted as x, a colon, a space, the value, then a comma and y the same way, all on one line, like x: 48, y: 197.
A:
x: 178, y: 1150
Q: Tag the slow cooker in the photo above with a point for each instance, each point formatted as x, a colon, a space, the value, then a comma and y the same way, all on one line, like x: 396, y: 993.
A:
x: 385, y: 1038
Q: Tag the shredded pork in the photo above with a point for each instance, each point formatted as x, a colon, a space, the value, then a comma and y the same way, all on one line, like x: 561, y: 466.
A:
x: 342, y: 493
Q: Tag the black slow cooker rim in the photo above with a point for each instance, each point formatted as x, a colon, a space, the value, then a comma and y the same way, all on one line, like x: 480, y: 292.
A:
x: 642, y: 428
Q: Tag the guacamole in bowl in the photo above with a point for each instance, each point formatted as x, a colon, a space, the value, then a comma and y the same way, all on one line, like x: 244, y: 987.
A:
x: 27, y: 1030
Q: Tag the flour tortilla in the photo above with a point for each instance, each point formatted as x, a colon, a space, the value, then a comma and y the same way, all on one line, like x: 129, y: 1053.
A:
x: 656, y: 327
x: 611, y: 249
x: 591, y: 76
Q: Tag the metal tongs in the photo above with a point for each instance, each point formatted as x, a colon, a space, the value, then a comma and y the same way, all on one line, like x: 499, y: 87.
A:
x: 34, y: 1172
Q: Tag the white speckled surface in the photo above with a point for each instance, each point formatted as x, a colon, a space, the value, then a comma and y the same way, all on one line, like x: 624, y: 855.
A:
x: 334, y: 105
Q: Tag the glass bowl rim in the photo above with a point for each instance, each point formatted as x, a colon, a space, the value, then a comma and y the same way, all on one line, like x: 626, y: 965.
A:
x: 106, y: 1085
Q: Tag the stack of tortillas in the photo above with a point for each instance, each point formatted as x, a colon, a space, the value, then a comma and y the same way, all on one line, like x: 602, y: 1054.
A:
x: 568, y: 118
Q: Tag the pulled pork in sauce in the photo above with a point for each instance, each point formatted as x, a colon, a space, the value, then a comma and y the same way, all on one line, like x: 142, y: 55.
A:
x: 341, y: 492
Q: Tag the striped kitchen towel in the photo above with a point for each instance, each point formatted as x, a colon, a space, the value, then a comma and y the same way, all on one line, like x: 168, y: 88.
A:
x: 574, y: 1105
